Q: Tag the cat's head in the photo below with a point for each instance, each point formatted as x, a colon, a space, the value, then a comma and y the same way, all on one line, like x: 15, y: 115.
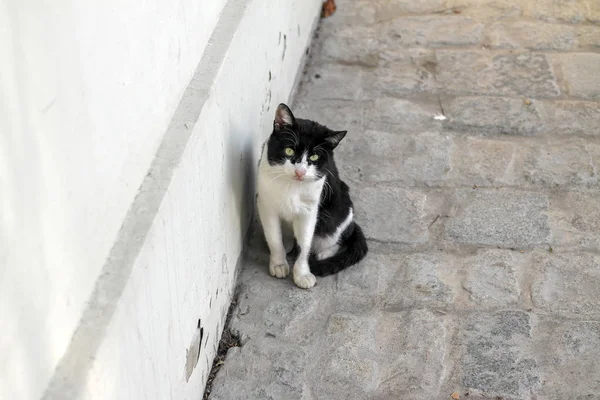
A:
x: 300, y: 149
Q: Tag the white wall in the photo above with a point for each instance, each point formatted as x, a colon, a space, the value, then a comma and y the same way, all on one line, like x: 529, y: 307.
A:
x: 86, y: 96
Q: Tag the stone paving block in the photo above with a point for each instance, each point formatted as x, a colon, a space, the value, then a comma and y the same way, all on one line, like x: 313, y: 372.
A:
x: 497, y: 360
x: 588, y: 36
x: 262, y: 369
x: 432, y: 31
x: 572, y: 162
x: 567, y: 284
x: 499, y: 218
x: 488, y: 11
x: 576, y: 219
x: 285, y: 312
x: 353, y: 45
x: 401, y: 72
x: 581, y: 71
x: 492, y: 279
x: 484, y: 162
x: 414, y: 159
x: 571, y: 368
x: 392, y: 214
x: 337, y: 115
x: 533, y: 35
x: 351, y: 331
x: 370, y: 276
x: 495, y: 115
x: 412, y: 351
x: 573, y: 11
x: 334, y: 82
x: 390, y: 9
x: 508, y: 74
x: 573, y: 117
x: 342, y: 374
x: 393, y: 115
x: 422, y: 278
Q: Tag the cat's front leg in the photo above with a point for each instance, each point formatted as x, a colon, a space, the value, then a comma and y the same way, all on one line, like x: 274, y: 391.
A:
x: 304, y: 228
x: 271, y: 223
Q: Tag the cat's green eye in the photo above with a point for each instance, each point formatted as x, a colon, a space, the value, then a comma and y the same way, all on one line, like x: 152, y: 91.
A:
x: 289, y: 151
x: 314, y: 157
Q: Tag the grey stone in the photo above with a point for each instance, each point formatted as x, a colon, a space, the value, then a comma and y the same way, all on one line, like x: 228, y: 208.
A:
x: 388, y: 157
x: 351, y: 331
x: 285, y: 313
x: 392, y: 214
x: 402, y: 72
x: 412, y: 353
x: 574, y: 11
x: 421, y: 276
x: 567, y: 284
x: 581, y: 72
x: 491, y: 279
x: 588, y: 37
x: 393, y: 115
x: 484, y: 162
x: 495, y: 115
x: 496, y: 360
x: 335, y: 114
x: 576, y: 219
x: 532, y: 35
x: 276, y: 372
x: 571, y: 367
x: 487, y: 11
x: 334, y: 82
x: 499, y: 218
x: 432, y: 31
x: 391, y: 9
x: 370, y: 276
x: 343, y: 375
x: 573, y: 117
x: 508, y: 74
x: 352, y: 45
x: 562, y: 163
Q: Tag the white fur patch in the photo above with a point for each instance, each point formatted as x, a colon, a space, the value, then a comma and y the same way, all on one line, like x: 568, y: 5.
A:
x: 283, y: 192
x: 327, y: 246
x: 282, y: 197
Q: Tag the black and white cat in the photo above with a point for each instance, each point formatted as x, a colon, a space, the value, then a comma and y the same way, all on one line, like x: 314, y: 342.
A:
x: 298, y: 185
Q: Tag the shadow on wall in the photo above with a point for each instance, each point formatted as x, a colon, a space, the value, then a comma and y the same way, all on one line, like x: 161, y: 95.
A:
x: 240, y: 175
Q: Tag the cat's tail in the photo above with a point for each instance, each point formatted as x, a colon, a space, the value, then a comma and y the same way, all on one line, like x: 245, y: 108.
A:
x: 353, y: 250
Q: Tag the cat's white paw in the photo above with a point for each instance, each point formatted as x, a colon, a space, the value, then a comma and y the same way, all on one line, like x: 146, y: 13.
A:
x: 280, y: 270
x: 305, y: 281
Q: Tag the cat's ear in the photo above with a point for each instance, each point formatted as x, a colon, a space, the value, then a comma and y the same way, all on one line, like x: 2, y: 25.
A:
x: 334, y: 138
x: 283, y: 117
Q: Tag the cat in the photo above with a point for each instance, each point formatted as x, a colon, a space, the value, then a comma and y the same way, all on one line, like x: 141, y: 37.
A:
x: 298, y: 184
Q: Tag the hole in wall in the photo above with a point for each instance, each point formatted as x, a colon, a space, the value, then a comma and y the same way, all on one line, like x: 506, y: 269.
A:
x: 193, y: 351
x: 284, y: 46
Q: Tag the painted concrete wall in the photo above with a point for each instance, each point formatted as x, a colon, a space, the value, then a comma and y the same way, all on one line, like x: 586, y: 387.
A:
x: 87, y: 90
x: 87, y: 96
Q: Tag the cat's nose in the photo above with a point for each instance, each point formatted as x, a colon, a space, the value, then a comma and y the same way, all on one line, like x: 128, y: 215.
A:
x: 300, y: 172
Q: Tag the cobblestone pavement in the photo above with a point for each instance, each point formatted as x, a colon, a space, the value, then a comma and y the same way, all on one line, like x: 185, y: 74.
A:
x: 484, y: 228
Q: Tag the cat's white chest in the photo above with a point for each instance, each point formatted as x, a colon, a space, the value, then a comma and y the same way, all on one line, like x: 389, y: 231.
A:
x: 298, y: 202
x: 290, y: 199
